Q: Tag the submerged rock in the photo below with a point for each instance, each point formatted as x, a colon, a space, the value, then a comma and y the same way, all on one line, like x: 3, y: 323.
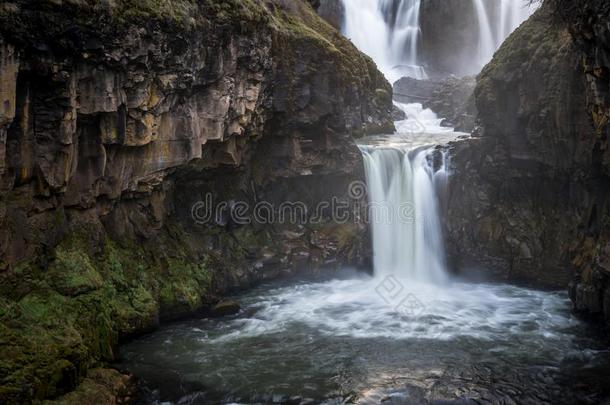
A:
x: 224, y: 308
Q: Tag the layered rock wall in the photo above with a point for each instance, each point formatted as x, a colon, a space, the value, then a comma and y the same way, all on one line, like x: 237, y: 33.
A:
x: 116, y: 119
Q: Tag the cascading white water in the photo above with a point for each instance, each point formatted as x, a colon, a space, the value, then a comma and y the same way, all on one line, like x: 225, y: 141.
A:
x: 403, y: 189
x: 496, y: 22
x: 400, y: 178
x: 512, y: 14
x: 487, y: 41
x: 407, y: 237
x: 389, y: 32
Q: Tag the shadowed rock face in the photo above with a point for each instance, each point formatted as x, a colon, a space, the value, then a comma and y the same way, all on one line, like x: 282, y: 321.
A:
x: 115, y: 119
x: 529, y: 195
x: 588, y: 24
x: 332, y: 11
x: 516, y: 200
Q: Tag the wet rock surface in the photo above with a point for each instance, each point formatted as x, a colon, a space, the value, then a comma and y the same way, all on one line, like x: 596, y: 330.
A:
x: 453, y: 100
x: 410, y: 90
x: 516, y: 195
x: 224, y: 308
x: 450, y: 98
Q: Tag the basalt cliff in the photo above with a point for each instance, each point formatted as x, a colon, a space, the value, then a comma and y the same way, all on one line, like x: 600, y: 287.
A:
x: 529, y: 193
x: 121, y: 123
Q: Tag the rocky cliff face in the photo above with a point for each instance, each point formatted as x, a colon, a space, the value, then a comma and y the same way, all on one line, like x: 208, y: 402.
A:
x: 116, y: 120
x: 588, y: 24
x: 331, y: 10
x: 529, y: 194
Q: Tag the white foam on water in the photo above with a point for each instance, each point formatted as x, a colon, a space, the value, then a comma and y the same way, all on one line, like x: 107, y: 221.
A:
x: 399, y: 308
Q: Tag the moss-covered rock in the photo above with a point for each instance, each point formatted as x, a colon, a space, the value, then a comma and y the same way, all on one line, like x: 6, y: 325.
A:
x: 102, y: 386
x: 70, y: 315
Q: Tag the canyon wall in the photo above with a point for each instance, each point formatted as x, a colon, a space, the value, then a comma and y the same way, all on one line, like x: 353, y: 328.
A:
x: 116, y: 121
x: 528, y: 199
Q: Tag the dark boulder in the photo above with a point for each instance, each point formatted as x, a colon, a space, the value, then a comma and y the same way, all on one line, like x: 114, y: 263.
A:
x: 224, y: 308
x: 410, y: 90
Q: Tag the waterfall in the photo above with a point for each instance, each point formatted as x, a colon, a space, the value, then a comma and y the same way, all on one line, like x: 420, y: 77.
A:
x: 403, y: 186
x: 496, y: 22
x: 389, y: 32
x: 487, y: 43
x: 404, y: 213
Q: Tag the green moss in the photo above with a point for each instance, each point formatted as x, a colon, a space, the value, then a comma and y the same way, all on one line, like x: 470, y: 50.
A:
x: 175, y: 10
x: 102, y: 386
x: 70, y: 317
x: 183, y: 287
x: 72, y: 273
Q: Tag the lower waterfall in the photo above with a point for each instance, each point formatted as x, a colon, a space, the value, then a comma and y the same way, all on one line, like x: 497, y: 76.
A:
x: 407, y: 238
x: 403, y: 186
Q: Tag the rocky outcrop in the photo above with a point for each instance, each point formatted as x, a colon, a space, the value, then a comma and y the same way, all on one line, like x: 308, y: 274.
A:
x: 588, y: 24
x: 451, y: 98
x: 117, y: 121
x: 528, y: 198
x: 410, y: 90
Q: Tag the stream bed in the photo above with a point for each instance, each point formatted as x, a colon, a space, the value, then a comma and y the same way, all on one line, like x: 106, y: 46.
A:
x: 362, y: 339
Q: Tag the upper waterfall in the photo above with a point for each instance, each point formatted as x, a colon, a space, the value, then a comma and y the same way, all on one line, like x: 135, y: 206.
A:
x: 496, y: 21
x: 389, y: 32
